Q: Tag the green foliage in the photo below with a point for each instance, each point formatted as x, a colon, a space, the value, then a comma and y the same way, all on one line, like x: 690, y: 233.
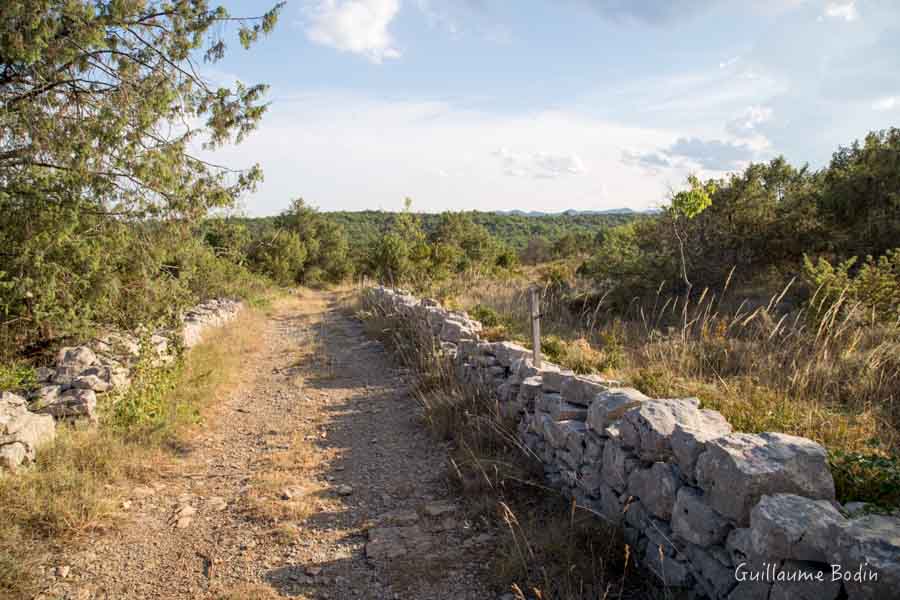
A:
x: 324, y: 242
x: 630, y: 262
x: 875, y: 285
x: 754, y: 228
x: 228, y: 239
x: 488, y: 316
x: 145, y: 406
x: 514, y: 231
x: 17, y: 376
x: 692, y: 202
x: 859, y: 201
x: 98, y: 191
x: 281, y: 256
x: 88, y: 89
x: 868, y: 476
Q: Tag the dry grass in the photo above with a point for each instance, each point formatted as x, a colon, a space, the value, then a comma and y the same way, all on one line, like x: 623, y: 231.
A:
x: 281, y: 489
x: 826, y: 372
x: 74, y: 487
x: 548, y: 547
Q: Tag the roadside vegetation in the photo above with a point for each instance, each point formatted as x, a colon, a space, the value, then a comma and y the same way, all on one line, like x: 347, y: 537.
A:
x: 772, y: 295
x: 78, y: 483
x: 547, y: 547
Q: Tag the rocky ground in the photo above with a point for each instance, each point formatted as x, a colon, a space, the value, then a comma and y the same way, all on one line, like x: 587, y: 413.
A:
x: 316, y: 479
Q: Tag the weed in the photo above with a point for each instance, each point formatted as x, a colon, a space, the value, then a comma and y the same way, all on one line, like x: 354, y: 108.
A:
x: 72, y: 488
x: 17, y: 376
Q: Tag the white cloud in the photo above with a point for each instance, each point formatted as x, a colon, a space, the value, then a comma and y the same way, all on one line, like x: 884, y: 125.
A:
x: 889, y: 103
x: 746, y: 125
x: 357, y: 26
x: 345, y: 151
x: 691, y: 153
x: 542, y: 165
x: 842, y: 10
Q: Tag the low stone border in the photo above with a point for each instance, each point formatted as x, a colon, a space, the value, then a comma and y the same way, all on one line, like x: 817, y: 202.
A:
x: 712, y: 512
x: 69, y: 389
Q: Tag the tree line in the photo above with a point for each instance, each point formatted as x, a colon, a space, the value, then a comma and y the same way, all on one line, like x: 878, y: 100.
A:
x: 767, y: 225
x: 107, y: 216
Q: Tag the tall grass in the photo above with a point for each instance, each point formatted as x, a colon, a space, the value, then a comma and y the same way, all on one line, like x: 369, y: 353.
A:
x: 827, y: 370
x: 548, y: 547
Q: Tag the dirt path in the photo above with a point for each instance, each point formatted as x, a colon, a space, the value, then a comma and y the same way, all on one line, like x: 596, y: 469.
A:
x: 315, y: 480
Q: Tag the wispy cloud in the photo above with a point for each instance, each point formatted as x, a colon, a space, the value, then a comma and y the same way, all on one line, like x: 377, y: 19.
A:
x: 652, y: 12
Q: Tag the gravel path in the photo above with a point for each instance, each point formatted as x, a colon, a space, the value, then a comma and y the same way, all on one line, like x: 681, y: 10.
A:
x: 316, y: 480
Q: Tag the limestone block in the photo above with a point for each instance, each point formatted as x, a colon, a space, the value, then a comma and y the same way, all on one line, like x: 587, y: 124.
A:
x: 581, y: 389
x: 77, y: 357
x: 554, y: 377
x: 649, y: 427
x: 617, y: 464
x: 689, y: 439
x: 509, y: 352
x: 787, y: 526
x: 91, y: 382
x: 73, y: 403
x: 869, y: 545
x: 609, y: 406
x: 22, y: 432
x: 716, y: 578
x: 738, y: 469
x: 805, y: 581
x: 694, y: 520
x: 656, y: 487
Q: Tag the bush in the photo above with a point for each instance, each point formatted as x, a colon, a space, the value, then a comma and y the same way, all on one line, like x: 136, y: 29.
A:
x: 17, y: 376
x: 869, y: 476
x: 875, y: 286
x: 280, y: 255
x: 487, y: 315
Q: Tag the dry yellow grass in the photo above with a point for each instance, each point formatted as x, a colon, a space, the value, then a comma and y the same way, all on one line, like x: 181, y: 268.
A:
x: 281, y: 489
x: 74, y: 487
x: 827, y: 372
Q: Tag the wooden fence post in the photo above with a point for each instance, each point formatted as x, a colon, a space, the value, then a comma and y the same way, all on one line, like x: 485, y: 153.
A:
x: 534, y: 301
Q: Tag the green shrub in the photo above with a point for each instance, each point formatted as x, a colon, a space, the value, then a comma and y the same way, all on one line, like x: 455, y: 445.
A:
x: 17, y: 376
x: 875, y: 286
x: 867, y: 476
x: 488, y: 316
x: 281, y: 256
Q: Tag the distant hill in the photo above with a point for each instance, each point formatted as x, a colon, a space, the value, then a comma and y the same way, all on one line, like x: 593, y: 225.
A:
x: 569, y: 213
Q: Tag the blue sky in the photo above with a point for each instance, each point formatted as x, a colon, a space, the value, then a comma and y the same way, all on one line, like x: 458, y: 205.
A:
x: 553, y: 104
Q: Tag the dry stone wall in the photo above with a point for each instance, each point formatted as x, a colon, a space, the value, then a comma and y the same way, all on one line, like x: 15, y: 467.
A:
x: 711, y: 512
x: 70, y: 389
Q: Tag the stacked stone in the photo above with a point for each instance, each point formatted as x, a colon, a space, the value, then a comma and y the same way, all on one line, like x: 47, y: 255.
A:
x: 210, y: 314
x: 69, y: 389
x: 716, y: 513
x: 21, y: 431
